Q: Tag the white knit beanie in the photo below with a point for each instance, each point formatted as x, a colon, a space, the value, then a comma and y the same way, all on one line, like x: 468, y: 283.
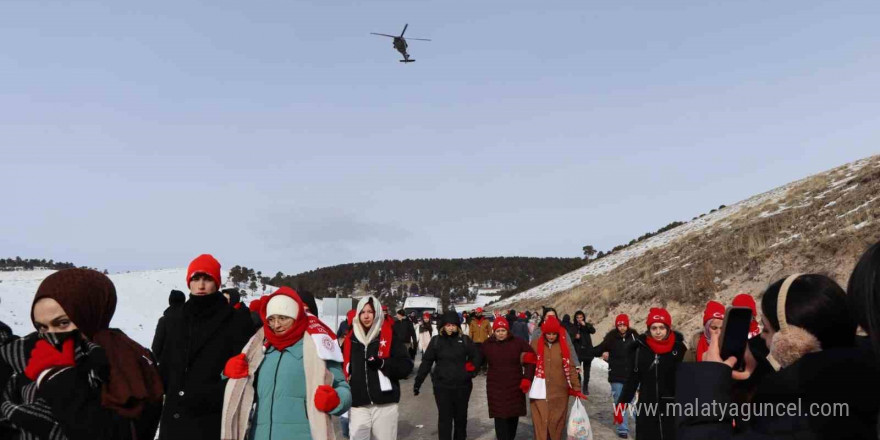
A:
x: 282, y: 305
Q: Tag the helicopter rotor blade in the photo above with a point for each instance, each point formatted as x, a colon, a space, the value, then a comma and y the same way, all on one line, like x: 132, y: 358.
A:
x: 404, y: 30
x: 384, y: 35
x: 418, y: 39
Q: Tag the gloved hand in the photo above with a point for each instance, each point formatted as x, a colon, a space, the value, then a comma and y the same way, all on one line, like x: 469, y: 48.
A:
x: 45, y: 356
x: 326, y: 398
x: 618, y: 413
x: 469, y: 367
x: 236, y: 367
x: 375, y: 363
x: 575, y: 393
x: 525, y: 385
x: 529, y: 358
x: 416, y: 390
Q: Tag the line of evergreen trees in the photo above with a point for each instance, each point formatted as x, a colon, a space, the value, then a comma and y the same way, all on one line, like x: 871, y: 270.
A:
x: 393, y: 280
x: 18, y: 263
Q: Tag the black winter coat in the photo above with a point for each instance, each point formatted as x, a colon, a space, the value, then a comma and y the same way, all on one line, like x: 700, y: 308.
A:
x: 840, y: 376
x: 584, y: 345
x: 364, y: 381
x: 450, y: 353
x: 618, y: 354
x: 405, y: 332
x: 200, y: 337
x: 653, y: 375
x: 520, y: 329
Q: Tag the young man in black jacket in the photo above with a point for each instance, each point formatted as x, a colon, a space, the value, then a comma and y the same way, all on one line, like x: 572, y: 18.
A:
x: 376, y: 362
x: 200, y: 336
x: 580, y: 332
x: 405, y: 331
x: 457, y: 360
x: 614, y: 350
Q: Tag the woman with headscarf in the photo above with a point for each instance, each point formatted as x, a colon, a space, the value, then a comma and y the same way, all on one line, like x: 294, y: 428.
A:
x: 654, y: 360
x: 556, y: 379
x: 290, y: 373
x: 375, y: 363
x: 508, y: 379
x: 77, y: 378
x: 713, y: 318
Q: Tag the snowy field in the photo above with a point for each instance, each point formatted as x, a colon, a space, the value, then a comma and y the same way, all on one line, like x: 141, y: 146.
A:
x: 141, y: 299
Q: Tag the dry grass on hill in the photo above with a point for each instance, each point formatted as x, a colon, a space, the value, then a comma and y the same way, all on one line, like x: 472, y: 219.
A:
x: 822, y: 224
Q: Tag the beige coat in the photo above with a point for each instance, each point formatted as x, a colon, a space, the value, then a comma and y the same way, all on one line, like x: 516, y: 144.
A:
x: 549, y: 416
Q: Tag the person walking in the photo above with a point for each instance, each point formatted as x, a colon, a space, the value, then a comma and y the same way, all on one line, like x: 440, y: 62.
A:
x: 556, y: 379
x: 581, y: 337
x: 508, y: 378
x: 375, y: 362
x: 406, y: 332
x: 452, y: 360
x: 426, y: 331
x: 614, y: 349
x: 655, y: 358
x: 290, y: 372
x: 520, y: 327
x: 206, y: 333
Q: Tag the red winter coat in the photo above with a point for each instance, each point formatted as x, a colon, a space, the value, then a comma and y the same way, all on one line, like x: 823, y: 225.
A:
x: 505, y: 373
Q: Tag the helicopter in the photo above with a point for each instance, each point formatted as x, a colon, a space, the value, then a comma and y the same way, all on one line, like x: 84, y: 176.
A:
x: 400, y: 44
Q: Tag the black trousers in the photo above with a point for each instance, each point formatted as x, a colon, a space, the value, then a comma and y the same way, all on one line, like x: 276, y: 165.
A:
x: 452, y: 406
x: 585, y: 384
x: 505, y: 429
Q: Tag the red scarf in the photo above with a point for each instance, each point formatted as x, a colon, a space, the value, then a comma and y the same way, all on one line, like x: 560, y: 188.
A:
x: 295, y: 332
x: 566, y: 357
x: 702, y: 346
x: 385, y: 335
x: 661, y: 347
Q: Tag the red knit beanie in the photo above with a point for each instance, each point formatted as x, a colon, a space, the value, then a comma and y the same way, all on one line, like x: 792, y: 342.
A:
x: 500, y: 323
x: 659, y: 315
x: 205, y: 264
x: 621, y: 319
x: 714, y: 310
x: 745, y: 300
x: 550, y: 325
x: 256, y: 304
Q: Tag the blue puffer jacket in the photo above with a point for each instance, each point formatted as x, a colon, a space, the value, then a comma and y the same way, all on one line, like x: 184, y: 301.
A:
x: 281, y: 395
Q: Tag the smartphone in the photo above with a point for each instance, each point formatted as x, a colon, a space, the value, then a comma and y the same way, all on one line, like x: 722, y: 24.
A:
x: 735, y: 334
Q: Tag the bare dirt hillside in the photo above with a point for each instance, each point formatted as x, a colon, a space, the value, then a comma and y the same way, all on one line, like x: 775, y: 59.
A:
x: 820, y: 224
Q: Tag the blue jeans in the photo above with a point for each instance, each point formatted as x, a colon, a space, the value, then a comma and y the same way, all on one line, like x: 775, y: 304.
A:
x: 616, y: 389
x: 344, y: 422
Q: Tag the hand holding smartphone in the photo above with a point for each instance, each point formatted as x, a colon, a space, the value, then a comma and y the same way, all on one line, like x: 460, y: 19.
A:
x: 735, y: 334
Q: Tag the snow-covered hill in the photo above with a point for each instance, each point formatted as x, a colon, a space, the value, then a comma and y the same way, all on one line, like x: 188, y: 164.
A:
x: 837, y: 178
x: 141, y: 299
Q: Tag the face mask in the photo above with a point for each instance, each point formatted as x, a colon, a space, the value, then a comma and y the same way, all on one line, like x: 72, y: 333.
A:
x: 57, y: 339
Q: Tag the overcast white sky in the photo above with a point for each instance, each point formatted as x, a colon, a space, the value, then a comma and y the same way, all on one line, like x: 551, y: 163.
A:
x: 282, y: 136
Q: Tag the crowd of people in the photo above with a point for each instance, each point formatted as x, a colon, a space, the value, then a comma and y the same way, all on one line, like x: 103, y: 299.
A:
x: 272, y: 369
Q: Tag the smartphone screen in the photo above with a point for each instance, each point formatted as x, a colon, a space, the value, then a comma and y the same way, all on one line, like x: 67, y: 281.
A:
x: 735, y: 334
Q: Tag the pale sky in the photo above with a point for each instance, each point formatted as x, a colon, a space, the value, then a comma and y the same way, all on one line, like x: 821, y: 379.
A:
x: 281, y: 135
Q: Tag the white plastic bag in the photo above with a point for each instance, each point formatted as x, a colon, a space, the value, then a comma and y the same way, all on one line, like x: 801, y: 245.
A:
x: 579, y: 422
